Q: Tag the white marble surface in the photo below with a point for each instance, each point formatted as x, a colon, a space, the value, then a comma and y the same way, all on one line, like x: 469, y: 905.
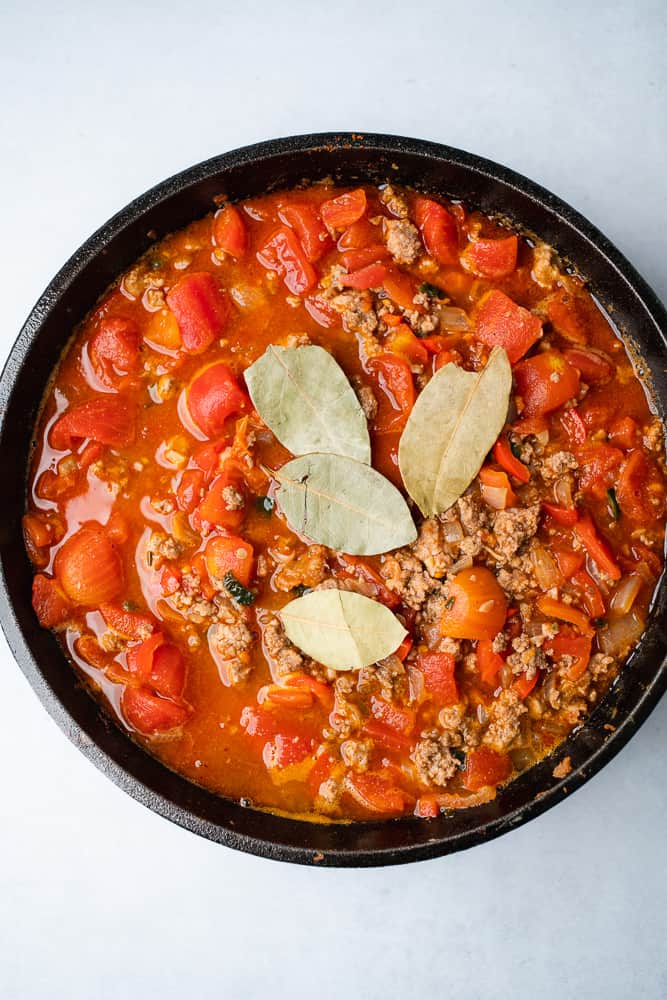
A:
x: 101, y: 899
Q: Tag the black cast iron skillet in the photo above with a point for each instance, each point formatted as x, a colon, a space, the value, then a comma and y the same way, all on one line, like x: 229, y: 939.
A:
x: 171, y: 205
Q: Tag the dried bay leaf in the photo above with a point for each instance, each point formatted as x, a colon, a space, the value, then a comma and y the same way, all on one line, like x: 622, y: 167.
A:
x: 343, y: 504
x: 453, y: 424
x: 341, y: 629
x: 303, y: 395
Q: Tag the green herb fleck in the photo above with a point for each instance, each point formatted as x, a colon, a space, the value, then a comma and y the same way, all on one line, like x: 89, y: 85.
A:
x: 449, y: 603
x: 301, y: 589
x: 614, y: 509
x: 460, y: 756
x: 600, y: 622
x: 432, y: 290
x: 265, y: 505
x: 515, y: 448
x: 155, y: 263
x: 129, y: 606
x: 240, y: 593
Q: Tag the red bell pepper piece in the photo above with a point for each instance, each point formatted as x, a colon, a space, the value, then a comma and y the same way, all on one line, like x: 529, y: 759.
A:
x: 506, y: 458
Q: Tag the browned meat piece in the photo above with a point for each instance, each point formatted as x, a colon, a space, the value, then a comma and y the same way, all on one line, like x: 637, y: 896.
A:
x: 527, y: 656
x: 653, y: 436
x: 517, y: 578
x: 434, y: 761
x: 346, y: 717
x: 504, y: 720
x: 369, y: 403
x: 556, y: 465
x: 356, y: 309
x: 394, y: 201
x: 512, y: 528
x: 231, y: 642
x: 545, y: 272
x: 473, y: 514
x: 307, y: 569
x: 388, y: 676
x: 402, y: 240
x: 160, y: 547
x: 403, y: 573
x: 356, y: 754
x: 286, y: 658
x: 431, y: 548
x: 563, y: 769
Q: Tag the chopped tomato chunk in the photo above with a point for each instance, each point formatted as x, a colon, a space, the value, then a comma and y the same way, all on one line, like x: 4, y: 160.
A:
x: 230, y: 554
x: 129, y: 624
x: 492, y: 258
x: 545, y: 382
x: 88, y: 568
x: 106, y: 419
x: 307, y: 224
x: 371, y: 276
x: 376, y: 793
x: 116, y: 345
x: 502, y: 322
x: 438, y: 229
x: 229, y: 231
x: 149, y: 714
x: 201, y: 310
x: 343, y: 211
x: 489, y: 663
x: 439, y: 680
x: 486, y: 767
x: 631, y: 488
x: 49, y: 601
x: 284, y: 254
x: 224, y: 503
x: 213, y: 396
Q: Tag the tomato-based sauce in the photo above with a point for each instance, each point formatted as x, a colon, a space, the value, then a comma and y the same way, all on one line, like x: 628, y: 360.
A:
x: 164, y: 549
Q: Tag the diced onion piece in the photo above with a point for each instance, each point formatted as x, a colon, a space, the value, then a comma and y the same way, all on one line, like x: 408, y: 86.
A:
x: 542, y: 438
x: 463, y: 563
x: 624, y: 594
x: 546, y: 571
x: 563, y: 492
x: 452, y: 531
x: 416, y: 683
x: 494, y: 496
x: 452, y: 318
x: 621, y: 633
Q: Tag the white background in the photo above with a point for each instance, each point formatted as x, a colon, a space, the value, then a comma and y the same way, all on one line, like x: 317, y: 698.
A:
x: 99, y: 898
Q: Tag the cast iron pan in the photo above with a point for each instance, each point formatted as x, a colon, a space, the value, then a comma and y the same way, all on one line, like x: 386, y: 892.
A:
x: 245, y: 172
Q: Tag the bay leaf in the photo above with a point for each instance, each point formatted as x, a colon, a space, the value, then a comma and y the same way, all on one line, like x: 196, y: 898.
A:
x: 342, y: 629
x: 453, y: 424
x: 303, y: 395
x: 343, y: 504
